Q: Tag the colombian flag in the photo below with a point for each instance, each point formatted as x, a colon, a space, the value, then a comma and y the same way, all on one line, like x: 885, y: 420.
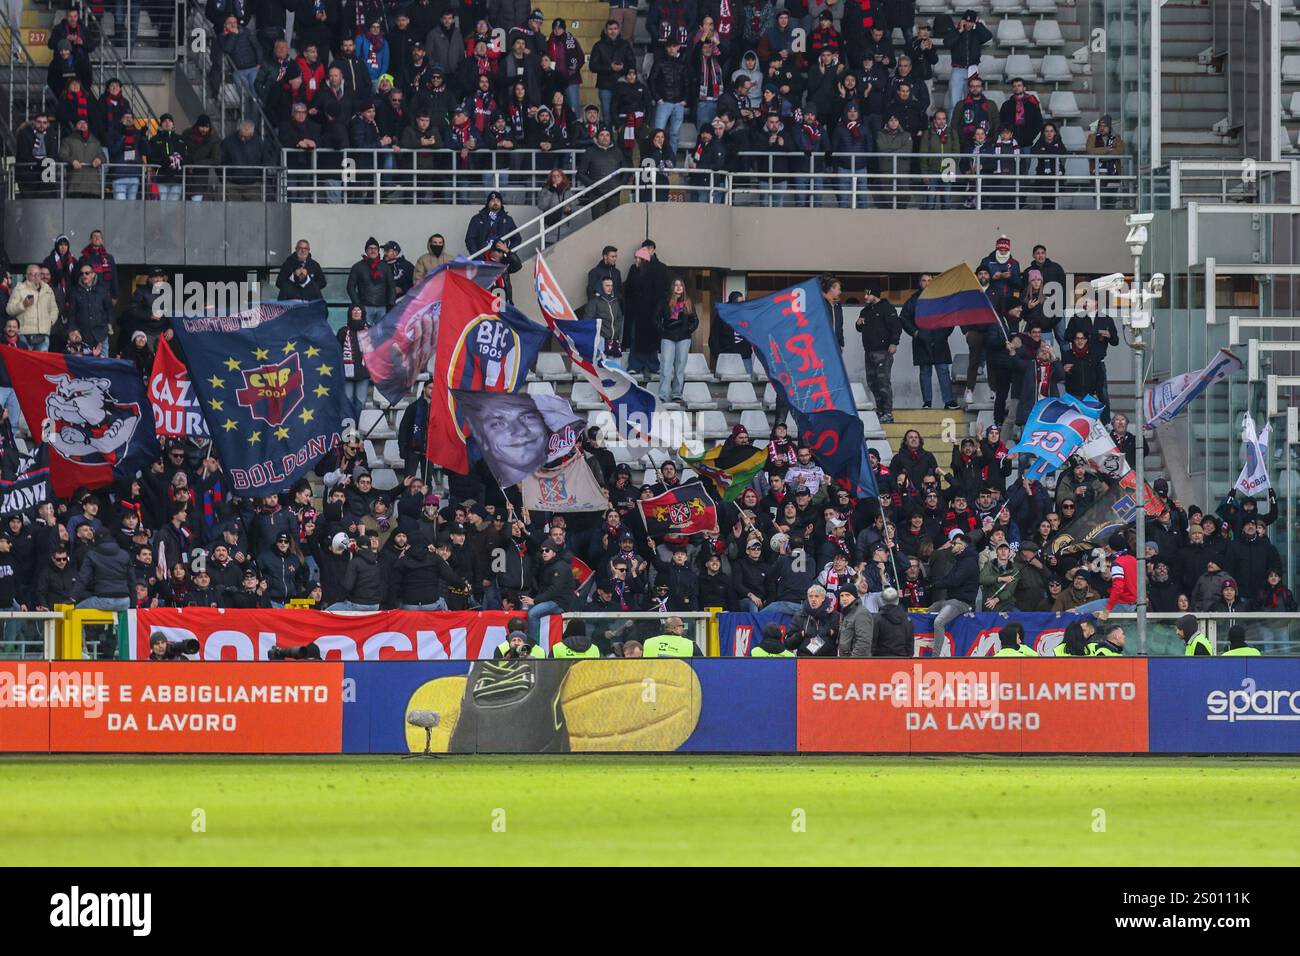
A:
x: 954, y: 298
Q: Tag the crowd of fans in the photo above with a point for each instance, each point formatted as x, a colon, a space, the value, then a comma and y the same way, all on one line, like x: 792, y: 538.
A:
x: 431, y: 87
x: 965, y: 533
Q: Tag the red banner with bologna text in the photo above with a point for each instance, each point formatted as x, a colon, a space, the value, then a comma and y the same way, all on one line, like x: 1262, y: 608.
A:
x: 198, y: 707
x: 1003, y: 705
x: 247, y: 635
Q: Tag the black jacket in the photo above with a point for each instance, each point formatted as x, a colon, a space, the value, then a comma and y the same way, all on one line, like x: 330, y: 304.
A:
x: 962, y: 582
x: 106, y: 573
x: 365, y: 289
x: 289, y: 289
x: 670, y: 79
x: 362, y: 583
x: 555, y: 583
x: 879, y: 326
x: 929, y: 346
x: 810, y: 626
x: 894, y: 635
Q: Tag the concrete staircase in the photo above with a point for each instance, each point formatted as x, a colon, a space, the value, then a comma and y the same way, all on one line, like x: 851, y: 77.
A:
x: 1194, y: 88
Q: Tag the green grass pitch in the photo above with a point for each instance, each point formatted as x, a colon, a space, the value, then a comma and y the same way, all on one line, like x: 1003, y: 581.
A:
x: 647, y: 810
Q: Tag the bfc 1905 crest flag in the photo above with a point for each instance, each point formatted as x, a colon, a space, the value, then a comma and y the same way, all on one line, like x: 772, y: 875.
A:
x: 93, y: 414
x: 793, y: 337
x: 270, y: 381
x: 685, y: 509
x: 398, y: 347
x: 483, y: 345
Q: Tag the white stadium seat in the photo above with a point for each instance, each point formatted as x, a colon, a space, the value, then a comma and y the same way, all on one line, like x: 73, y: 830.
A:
x: 731, y: 368
x: 696, y: 396
x: 1047, y: 7
x: 697, y: 369
x: 392, y: 455
x: 1286, y: 139
x: 712, y: 425
x: 384, y: 479
x: 769, y: 396
x: 1011, y: 33
x: 551, y: 367
x: 991, y: 68
x: 584, y: 397
x: 373, y: 458
x: 603, y: 419
x: 1056, y: 69
x: 943, y: 68
x: 1062, y: 105
x: 374, y: 424
x: 756, y: 423
x: 1293, y: 104
x: 996, y: 97
x: 1291, y: 68
x: 741, y: 395
x: 1020, y: 65
x: 1074, y: 138
x: 930, y: 8
x: 861, y: 397
x: 540, y: 388
x: 1002, y: 8
x: 1047, y: 33
x: 1290, y: 33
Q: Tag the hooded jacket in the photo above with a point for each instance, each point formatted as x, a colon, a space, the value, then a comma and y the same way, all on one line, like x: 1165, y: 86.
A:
x: 894, y: 636
x: 105, y: 573
x: 362, y: 583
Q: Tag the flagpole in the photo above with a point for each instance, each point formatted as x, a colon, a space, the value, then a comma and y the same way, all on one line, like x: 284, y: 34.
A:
x: 1138, y: 346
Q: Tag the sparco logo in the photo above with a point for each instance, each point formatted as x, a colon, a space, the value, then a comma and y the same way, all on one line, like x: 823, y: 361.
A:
x: 1251, y: 703
x: 75, y: 909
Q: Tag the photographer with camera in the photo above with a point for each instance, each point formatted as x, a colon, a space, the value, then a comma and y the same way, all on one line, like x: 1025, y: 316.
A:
x: 161, y: 649
x: 517, y: 647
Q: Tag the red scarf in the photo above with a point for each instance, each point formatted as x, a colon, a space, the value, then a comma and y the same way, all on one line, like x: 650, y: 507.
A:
x: 725, y: 18
x: 376, y: 268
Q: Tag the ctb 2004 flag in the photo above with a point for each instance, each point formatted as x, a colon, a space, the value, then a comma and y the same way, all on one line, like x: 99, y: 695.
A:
x: 792, y: 336
x: 93, y: 413
x: 271, y: 384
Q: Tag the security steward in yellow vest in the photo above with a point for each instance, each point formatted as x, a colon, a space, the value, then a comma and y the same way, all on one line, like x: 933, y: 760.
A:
x: 1237, y: 646
x: 1075, y: 641
x: 1112, y: 645
x: 1011, y: 637
x: 773, y: 643
x: 1188, y: 630
x: 575, y: 643
x: 517, y: 646
x: 672, y: 643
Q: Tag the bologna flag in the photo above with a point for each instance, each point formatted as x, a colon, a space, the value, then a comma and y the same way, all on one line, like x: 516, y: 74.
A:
x: 92, y: 413
x: 792, y: 336
x: 270, y: 381
x: 176, y: 409
x: 685, y: 509
x: 484, y: 345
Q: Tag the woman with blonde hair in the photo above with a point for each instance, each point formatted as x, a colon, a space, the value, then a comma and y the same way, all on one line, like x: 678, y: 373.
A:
x: 553, y: 200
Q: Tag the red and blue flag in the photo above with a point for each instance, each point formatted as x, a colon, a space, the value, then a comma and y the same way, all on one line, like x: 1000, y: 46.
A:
x: 793, y: 337
x: 93, y: 414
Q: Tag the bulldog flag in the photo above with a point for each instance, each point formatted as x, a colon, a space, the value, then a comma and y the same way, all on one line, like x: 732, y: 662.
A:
x: 92, y: 413
x: 1254, y: 449
x: 483, y: 345
x: 176, y: 411
x: 270, y: 382
x: 397, y: 349
x: 792, y: 336
x: 686, y: 509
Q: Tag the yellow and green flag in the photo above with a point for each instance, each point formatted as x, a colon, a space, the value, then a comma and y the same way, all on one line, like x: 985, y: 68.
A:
x: 729, y: 469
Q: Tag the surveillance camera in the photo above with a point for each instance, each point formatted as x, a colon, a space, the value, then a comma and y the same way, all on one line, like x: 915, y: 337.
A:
x: 1111, y: 283
x: 1140, y: 219
x: 1136, y: 239
x: 1157, y: 285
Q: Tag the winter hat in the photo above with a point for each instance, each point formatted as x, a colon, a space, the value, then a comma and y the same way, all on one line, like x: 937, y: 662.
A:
x: 165, y: 117
x: 372, y: 241
x: 1034, y: 274
x: 1228, y: 583
x: 1116, y: 542
x: 203, y: 122
x: 537, y: 15
x: 643, y: 254
x: 738, y: 429
x: 889, y: 596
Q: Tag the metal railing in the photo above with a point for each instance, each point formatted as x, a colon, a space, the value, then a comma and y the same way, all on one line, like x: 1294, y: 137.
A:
x: 145, y: 31
x: 411, y: 177
x: 136, y: 182
x: 107, y: 64
x: 214, y: 78
x: 28, y: 635
x: 642, y: 625
x: 22, y: 82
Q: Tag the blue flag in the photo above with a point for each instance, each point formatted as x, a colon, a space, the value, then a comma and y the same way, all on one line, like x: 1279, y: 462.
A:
x: 270, y: 382
x: 792, y: 336
x: 1055, y: 430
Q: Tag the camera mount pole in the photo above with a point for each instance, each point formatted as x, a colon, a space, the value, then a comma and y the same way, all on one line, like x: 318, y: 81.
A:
x: 1138, y: 344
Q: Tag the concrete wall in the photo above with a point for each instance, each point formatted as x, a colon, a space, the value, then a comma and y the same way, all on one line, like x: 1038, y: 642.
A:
x: 337, y: 233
